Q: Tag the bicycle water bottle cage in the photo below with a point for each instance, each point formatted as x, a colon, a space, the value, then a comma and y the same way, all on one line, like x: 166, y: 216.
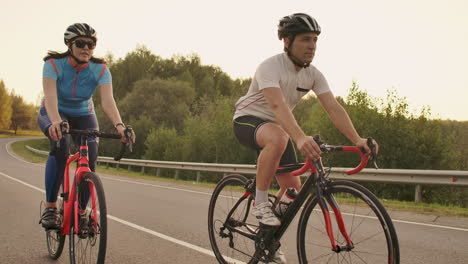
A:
x: 250, y: 186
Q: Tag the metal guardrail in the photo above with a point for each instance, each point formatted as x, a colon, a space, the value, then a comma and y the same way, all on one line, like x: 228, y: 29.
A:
x: 417, y: 177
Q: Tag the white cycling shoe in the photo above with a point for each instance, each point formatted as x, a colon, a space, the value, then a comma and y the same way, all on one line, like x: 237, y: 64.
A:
x: 279, y: 258
x: 264, y: 213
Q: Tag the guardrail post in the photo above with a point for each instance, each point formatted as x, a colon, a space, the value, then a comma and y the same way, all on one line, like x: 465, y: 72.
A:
x: 176, y: 175
x: 158, y: 172
x: 117, y: 165
x: 129, y: 167
x: 142, y: 169
x: 107, y: 165
x: 418, y: 193
x: 198, y: 176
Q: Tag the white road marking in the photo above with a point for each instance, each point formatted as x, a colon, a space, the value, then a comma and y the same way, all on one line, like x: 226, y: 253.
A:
x: 138, y: 227
x: 364, y: 216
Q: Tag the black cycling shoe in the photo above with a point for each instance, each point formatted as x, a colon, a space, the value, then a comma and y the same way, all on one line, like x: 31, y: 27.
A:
x: 83, y: 226
x: 50, y: 218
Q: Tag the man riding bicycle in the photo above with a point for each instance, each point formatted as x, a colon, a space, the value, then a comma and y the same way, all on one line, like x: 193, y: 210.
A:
x: 263, y: 118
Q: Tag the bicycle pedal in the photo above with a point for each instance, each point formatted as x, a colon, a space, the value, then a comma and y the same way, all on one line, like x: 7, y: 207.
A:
x: 267, y: 228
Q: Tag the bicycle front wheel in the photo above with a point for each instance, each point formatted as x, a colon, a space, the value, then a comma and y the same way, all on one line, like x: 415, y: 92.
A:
x: 88, y: 241
x: 366, y: 221
x: 231, y: 227
x: 55, y: 238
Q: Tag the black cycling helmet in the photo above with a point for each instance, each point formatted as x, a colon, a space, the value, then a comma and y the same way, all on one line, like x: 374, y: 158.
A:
x: 290, y: 26
x: 297, y: 23
x: 79, y: 30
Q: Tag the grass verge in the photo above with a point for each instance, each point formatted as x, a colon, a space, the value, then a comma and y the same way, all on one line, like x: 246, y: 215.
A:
x: 20, y: 133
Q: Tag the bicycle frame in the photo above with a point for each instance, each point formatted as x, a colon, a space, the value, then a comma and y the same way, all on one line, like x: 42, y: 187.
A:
x: 317, y: 181
x: 69, y: 203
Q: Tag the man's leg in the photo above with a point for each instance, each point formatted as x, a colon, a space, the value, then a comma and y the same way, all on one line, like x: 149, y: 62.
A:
x: 286, y: 180
x: 273, y: 141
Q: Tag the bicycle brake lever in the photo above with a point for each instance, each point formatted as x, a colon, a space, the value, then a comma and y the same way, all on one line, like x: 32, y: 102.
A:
x: 63, y: 129
x: 373, y: 156
x: 128, y: 135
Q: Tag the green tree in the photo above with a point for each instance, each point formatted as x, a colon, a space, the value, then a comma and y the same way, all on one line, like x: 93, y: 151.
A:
x: 163, y: 144
x: 136, y: 65
x: 5, y: 106
x: 22, y: 113
x: 166, y: 102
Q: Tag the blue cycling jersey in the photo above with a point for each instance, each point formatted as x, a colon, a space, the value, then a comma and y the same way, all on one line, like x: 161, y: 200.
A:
x: 75, y: 86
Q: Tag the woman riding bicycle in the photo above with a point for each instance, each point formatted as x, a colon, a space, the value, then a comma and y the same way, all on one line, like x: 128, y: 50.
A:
x: 263, y: 119
x: 69, y: 81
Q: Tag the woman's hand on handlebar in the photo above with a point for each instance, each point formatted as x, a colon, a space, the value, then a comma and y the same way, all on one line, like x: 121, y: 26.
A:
x: 309, y: 147
x: 55, y: 130
x: 121, y: 130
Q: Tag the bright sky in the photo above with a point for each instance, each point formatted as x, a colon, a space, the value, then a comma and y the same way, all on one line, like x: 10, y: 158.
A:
x: 417, y: 47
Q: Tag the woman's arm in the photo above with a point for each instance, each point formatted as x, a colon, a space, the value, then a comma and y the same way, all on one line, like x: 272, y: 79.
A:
x: 51, y: 105
x: 108, y: 104
x: 110, y: 109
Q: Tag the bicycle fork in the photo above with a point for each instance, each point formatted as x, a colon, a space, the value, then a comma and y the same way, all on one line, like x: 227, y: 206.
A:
x: 328, y: 223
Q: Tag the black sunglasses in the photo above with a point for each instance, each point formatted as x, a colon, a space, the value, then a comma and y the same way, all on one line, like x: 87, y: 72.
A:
x: 82, y: 43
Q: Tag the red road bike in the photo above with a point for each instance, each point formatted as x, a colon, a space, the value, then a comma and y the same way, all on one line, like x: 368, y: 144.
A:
x: 84, y: 198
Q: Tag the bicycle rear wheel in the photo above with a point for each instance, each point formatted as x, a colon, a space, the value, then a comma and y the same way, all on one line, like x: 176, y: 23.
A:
x: 367, y: 223
x: 230, y: 222
x: 54, y: 237
x: 89, y: 247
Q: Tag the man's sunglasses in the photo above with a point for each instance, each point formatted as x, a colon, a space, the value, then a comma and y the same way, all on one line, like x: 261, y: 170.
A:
x: 82, y: 43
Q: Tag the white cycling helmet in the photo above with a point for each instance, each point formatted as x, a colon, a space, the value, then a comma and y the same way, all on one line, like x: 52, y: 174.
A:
x: 79, y: 30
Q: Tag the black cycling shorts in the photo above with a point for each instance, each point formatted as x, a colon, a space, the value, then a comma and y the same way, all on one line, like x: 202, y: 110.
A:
x: 245, y: 129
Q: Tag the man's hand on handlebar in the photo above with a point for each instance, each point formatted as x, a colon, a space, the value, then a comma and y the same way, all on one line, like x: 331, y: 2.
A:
x: 369, y: 145
x: 309, y: 147
x: 371, y: 148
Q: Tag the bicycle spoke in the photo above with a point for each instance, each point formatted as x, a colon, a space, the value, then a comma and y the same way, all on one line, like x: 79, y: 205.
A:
x: 90, y: 242
x: 229, y: 222
x: 367, y: 224
x: 370, y: 237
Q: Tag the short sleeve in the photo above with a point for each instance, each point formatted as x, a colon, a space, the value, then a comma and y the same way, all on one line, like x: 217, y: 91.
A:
x: 105, y: 76
x: 267, y: 76
x: 320, y: 83
x: 50, y: 70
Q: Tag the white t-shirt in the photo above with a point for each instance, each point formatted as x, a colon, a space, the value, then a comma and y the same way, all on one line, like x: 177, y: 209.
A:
x: 279, y: 72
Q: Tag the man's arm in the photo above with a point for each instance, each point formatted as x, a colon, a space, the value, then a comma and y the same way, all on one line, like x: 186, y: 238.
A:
x: 341, y: 120
x: 286, y: 120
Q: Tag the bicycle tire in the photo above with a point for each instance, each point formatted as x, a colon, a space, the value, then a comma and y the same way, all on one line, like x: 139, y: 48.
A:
x: 228, y: 246
x: 367, y: 223
x: 91, y: 247
x: 55, y: 238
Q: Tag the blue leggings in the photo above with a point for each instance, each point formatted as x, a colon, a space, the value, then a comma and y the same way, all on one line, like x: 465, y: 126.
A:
x: 55, y: 165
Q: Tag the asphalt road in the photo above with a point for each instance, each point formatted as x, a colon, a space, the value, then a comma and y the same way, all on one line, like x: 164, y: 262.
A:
x: 164, y: 222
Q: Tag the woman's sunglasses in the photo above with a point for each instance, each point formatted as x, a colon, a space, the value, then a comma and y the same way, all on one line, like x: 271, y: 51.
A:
x: 82, y: 43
